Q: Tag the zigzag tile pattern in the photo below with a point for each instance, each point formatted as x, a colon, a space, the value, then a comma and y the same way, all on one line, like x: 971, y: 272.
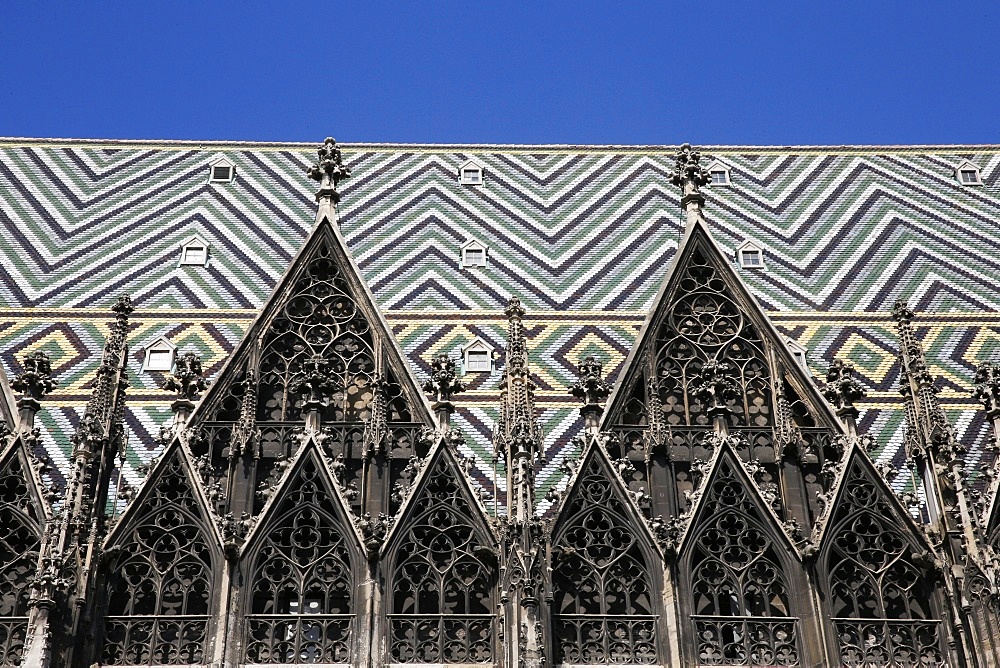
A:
x: 582, y: 235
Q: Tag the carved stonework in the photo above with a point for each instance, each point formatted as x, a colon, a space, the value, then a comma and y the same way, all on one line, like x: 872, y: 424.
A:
x: 329, y: 170
x: 187, y: 378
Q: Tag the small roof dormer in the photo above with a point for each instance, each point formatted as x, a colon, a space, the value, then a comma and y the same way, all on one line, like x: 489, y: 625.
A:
x: 194, y: 252
x: 477, y: 356
x: 719, y: 174
x: 473, y: 253
x: 159, y: 356
x: 750, y: 256
x: 799, y: 352
x: 967, y: 174
x: 470, y: 173
x: 221, y: 170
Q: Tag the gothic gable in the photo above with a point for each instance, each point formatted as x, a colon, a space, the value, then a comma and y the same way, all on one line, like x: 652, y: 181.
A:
x: 164, y: 556
x: 604, y: 571
x: 740, y: 584
x: 322, y: 316
x: 441, y: 569
x: 879, y: 572
x: 302, y: 565
x: 705, y: 312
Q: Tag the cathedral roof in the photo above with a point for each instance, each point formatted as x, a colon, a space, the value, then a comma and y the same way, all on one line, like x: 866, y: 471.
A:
x: 583, y: 235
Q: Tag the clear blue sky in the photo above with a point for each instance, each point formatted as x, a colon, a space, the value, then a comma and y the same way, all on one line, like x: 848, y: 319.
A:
x: 504, y: 72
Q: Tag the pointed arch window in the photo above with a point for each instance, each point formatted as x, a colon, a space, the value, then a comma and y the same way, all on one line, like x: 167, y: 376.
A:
x: 301, y: 606
x: 739, y: 592
x: 603, y: 611
x: 882, y: 594
x: 19, y: 544
x: 157, y: 604
x: 443, y: 577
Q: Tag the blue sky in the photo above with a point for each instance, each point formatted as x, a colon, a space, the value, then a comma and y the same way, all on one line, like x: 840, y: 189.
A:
x: 504, y: 72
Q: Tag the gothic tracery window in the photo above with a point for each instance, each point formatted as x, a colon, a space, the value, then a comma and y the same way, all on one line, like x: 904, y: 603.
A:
x: 160, y: 583
x: 19, y: 544
x: 301, y: 583
x: 443, y: 578
x: 603, y: 608
x: 739, y: 592
x: 882, y: 599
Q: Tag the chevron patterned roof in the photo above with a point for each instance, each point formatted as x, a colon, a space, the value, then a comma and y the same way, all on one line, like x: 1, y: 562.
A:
x: 583, y: 235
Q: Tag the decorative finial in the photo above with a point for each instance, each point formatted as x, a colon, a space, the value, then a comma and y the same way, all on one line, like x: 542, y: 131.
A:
x: 187, y: 380
x: 123, y: 307
x: 901, y: 313
x: 987, y: 390
x: 514, y: 311
x: 592, y: 389
x: 714, y: 388
x: 444, y: 381
x: 329, y: 170
x: 842, y: 389
x: 689, y: 175
x: 36, y: 380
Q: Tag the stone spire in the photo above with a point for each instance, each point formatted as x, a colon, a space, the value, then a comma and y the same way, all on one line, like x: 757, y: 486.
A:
x: 33, y: 383
x: 443, y: 385
x: 329, y: 171
x: 592, y: 389
x: 82, y: 523
x: 518, y: 441
x: 931, y: 446
x: 690, y: 176
x: 842, y: 390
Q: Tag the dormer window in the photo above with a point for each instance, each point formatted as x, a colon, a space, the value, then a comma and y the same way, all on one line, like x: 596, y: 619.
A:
x: 968, y: 174
x: 719, y: 174
x: 159, y: 356
x: 221, y: 171
x: 478, y: 356
x: 799, y: 353
x: 473, y: 254
x: 470, y: 174
x: 194, y: 252
x: 750, y: 256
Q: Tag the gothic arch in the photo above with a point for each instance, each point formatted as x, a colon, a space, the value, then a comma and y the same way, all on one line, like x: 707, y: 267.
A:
x: 442, y: 571
x: 162, y: 572
x: 22, y: 516
x: 605, y: 572
x: 877, y: 576
x: 739, y: 583
x: 301, y: 569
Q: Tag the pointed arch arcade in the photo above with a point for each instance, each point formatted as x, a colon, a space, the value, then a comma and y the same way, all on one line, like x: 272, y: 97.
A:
x: 162, y: 575
x: 442, y: 567
x: 604, y: 609
x: 734, y: 569
x: 301, y: 575
x: 878, y: 578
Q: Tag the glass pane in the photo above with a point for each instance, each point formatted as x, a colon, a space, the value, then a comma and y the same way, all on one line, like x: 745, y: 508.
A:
x: 475, y: 256
x: 158, y: 360
x: 194, y: 255
x: 718, y: 177
x: 751, y: 258
x: 969, y: 176
x: 471, y: 175
x: 220, y: 173
x: 479, y: 360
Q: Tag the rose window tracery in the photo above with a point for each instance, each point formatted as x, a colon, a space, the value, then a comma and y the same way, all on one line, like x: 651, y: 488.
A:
x: 19, y: 544
x: 301, y: 582
x: 603, y: 593
x: 443, y: 579
x: 883, y: 603
x: 739, y: 593
x: 160, y: 584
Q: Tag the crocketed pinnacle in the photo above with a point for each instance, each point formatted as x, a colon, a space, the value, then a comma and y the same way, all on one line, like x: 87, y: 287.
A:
x: 690, y: 176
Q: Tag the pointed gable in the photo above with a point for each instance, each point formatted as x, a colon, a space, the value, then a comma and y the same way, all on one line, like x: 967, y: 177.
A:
x: 736, y: 573
x: 441, y: 562
x: 323, y: 309
x: 705, y: 312
x: 604, y: 571
x: 302, y: 560
x: 164, y: 557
